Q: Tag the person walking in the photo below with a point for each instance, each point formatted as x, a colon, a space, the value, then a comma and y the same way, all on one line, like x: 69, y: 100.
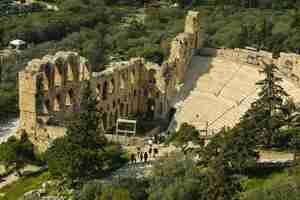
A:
x: 150, y: 152
x: 132, y: 158
x: 141, y: 156
x: 155, y: 152
x: 145, y: 157
x: 138, y: 149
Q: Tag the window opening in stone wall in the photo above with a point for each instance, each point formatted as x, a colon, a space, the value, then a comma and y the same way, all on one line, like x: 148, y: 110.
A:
x: 57, y: 103
x: 132, y: 76
x: 121, y: 109
x: 70, y: 98
x: 104, y: 90
x: 134, y: 92
x: 47, y: 106
x: 48, y: 73
x: 150, y: 109
x: 122, y: 81
x: 111, y: 86
x: 104, y: 120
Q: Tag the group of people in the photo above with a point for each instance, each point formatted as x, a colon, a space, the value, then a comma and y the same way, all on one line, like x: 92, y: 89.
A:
x: 143, y: 156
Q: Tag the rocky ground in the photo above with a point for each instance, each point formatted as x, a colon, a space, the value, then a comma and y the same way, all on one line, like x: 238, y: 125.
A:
x: 8, y: 129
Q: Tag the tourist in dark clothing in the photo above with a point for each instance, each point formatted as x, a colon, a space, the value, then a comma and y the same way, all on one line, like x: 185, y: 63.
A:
x: 145, y: 157
x: 138, y: 151
x: 155, y: 152
x: 150, y: 151
x: 141, y: 156
x: 132, y: 158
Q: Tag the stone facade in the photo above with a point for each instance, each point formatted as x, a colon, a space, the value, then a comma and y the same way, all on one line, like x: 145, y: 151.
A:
x: 7, y: 58
x: 49, y: 88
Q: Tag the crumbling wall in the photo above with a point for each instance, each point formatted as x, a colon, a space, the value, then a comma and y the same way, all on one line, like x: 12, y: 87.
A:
x: 47, y: 93
x: 7, y: 58
x: 50, y: 87
x: 184, y: 45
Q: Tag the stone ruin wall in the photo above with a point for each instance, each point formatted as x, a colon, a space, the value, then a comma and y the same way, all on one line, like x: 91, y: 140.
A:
x: 288, y: 63
x: 7, y: 58
x: 49, y: 88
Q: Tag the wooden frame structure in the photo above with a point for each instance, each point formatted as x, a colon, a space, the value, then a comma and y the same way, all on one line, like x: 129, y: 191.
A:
x: 125, y: 121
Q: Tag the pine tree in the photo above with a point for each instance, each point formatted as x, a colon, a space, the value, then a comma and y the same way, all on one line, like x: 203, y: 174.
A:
x: 79, y: 155
x: 265, y: 117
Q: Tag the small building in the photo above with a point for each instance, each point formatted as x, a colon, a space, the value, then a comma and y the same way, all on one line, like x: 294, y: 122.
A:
x: 17, y: 44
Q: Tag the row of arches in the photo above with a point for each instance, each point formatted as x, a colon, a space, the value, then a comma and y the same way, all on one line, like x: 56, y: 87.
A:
x: 109, y: 87
x: 60, y: 102
x: 59, y: 73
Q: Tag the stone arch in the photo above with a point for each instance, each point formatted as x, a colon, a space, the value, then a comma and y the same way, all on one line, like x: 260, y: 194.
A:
x: 116, y: 115
x: 48, y: 73
x: 152, y: 78
x: 98, y: 91
x: 157, y: 95
x: 160, y: 110
x: 121, y: 109
x: 59, y: 71
x: 112, y: 120
x: 122, y: 81
x: 72, y: 67
x: 150, y: 108
x: 47, y: 107
x: 70, y: 98
x: 104, y: 120
x: 111, y: 86
x: 134, y: 93
x: 127, y: 110
x: 57, y: 104
x: 84, y: 73
x: 132, y: 76
x: 104, y: 90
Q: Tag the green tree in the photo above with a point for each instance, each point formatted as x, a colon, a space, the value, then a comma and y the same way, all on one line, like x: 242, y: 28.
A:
x: 265, y: 115
x: 79, y: 155
x: 186, y: 136
x: 16, y: 152
x: 295, y: 143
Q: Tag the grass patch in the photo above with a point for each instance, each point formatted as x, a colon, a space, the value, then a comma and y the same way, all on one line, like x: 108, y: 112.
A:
x: 262, y: 177
x: 23, y: 185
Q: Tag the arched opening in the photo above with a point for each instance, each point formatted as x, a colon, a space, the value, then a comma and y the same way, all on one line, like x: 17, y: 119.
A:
x: 160, y: 111
x: 132, y: 76
x: 150, y: 109
x: 127, y: 110
x: 104, y: 120
x: 157, y: 95
x: 70, y: 98
x: 47, y: 106
x: 121, y: 109
x: 72, y: 68
x: 58, y: 71
x: 134, y: 92
x: 116, y: 116
x: 104, y: 90
x: 152, y: 79
x: 48, y: 75
x: 98, y: 91
x: 111, y: 86
x: 57, y: 103
x: 112, y: 120
x: 122, y: 81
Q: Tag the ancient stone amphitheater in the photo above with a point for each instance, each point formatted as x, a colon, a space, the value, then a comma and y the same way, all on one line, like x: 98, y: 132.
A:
x: 220, y: 87
x: 209, y: 91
